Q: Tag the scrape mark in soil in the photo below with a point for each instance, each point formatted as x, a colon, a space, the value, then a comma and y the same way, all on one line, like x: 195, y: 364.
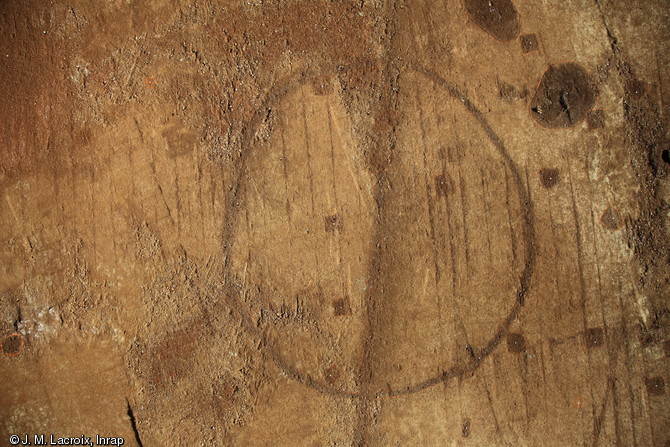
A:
x: 133, y: 424
x: 509, y: 92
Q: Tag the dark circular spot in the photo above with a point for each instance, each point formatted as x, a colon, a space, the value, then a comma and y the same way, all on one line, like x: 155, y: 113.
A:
x: 12, y: 344
x: 563, y: 97
x: 496, y: 17
x: 549, y: 177
x: 665, y: 155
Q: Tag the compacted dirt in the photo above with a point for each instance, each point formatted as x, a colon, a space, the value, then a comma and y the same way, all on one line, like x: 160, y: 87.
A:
x: 335, y: 223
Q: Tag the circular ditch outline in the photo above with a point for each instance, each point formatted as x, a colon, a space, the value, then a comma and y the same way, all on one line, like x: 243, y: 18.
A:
x: 231, y: 293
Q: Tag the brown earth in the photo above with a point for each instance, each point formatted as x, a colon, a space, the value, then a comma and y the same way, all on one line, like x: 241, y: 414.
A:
x: 335, y: 223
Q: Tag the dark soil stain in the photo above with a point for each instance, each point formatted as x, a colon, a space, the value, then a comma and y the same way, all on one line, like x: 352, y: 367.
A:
x: 172, y: 358
x: 496, y: 17
x: 516, y: 343
x: 549, y: 177
x: 564, y: 96
x: 529, y: 43
x: 12, y: 345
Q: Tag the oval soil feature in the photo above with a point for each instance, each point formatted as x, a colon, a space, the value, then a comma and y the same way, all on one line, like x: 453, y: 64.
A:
x: 564, y: 97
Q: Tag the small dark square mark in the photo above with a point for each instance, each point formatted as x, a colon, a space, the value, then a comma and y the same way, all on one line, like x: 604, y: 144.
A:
x: 655, y: 386
x: 667, y: 348
x: 333, y: 223
x: 331, y: 374
x: 634, y: 88
x: 443, y: 185
x: 596, y: 119
x: 341, y: 307
x: 611, y: 219
x: 528, y: 43
x: 516, y: 343
x: 321, y: 85
x: 549, y: 177
x: 593, y: 337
